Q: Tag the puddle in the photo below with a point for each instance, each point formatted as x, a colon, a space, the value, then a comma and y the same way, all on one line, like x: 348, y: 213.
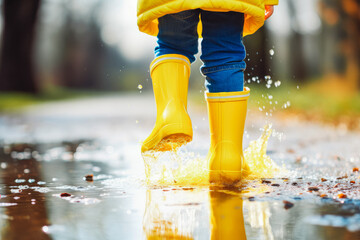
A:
x: 56, y: 199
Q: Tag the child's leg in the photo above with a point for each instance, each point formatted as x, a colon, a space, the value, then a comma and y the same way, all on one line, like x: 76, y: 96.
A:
x: 223, y: 51
x: 178, y: 34
x: 223, y: 55
x: 170, y: 71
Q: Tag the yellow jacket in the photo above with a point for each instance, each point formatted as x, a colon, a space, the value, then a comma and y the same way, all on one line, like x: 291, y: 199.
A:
x: 148, y: 11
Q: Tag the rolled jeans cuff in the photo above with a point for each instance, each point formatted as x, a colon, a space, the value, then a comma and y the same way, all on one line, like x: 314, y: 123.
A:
x: 225, y: 78
x: 239, y: 66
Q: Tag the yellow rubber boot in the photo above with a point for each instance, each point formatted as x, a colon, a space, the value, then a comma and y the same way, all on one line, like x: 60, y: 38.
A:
x: 227, y: 113
x: 226, y: 216
x: 170, y: 77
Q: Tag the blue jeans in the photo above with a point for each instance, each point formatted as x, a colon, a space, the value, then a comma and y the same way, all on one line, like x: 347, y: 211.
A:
x: 223, y: 51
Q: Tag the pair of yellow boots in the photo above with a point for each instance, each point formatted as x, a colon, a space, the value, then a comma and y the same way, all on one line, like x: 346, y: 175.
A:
x: 227, y: 112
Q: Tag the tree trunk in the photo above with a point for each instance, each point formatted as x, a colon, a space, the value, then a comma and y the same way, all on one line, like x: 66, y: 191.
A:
x: 296, y: 51
x: 16, y: 60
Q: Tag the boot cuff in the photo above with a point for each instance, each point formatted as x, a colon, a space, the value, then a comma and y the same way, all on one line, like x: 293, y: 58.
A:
x: 169, y: 58
x: 228, y: 96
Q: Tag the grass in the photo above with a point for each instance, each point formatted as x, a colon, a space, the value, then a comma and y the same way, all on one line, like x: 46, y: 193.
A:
x: 307, y: 99
x: 311, y: 101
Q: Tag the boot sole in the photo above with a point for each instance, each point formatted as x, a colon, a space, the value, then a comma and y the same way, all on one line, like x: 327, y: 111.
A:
x: 168, y: 137
x: 172, y: 142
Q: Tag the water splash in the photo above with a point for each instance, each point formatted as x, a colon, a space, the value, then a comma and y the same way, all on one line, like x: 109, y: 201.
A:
x: 260, y: 164
x: 181, y: 168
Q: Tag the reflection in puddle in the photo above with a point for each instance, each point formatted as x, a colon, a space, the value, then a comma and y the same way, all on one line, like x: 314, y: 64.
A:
x: 226, y: 216
x: 178, y: 214
x: 172, y: 214
x: 25, y: 210
x: 352, y: 223
x: 259, y: 218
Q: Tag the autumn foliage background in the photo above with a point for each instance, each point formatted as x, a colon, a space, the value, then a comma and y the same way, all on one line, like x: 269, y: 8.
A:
x: 58, y: 49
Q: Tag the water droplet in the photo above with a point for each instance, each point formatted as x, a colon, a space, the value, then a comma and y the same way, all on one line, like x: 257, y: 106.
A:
x: 277, y: 83
x: 272, y: 52
x: 286, y: 105
x: 19, y: 180
x: 140, y: 86
x: 45, y: 229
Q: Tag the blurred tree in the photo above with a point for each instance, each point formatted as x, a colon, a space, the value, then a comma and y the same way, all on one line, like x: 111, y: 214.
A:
x: 85, y: 60
x: 296, y: 51
x: 82, y: 53
x: 16, y: 59
x: 342, y: 21
x: 257, y: 60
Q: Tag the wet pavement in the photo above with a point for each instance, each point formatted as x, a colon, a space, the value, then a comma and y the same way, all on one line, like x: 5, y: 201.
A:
x: 73, y: 170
